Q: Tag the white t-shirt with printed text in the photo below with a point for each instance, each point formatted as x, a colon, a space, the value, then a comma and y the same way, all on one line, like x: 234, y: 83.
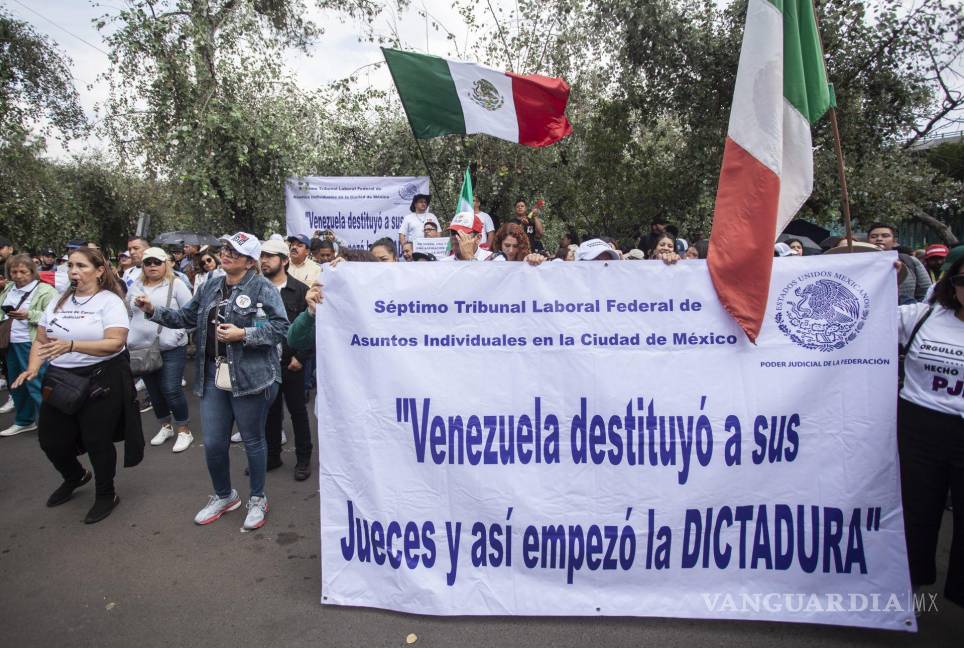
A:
x: 20, y: 329
x: 934, y: 365
x: 84, y: 319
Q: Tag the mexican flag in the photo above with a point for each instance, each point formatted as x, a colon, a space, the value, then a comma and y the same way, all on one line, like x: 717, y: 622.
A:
x: 445, y: 97
x: 465, y: 196
x: 767, y: 175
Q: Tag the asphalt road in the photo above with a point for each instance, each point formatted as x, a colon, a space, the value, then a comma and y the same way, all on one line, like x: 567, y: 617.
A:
x: 147, y: 576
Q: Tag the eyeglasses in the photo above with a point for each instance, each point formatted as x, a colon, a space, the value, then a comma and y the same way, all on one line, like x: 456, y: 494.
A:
x: 231, y: 254
x: 957, y: 281
x: 152, y: 262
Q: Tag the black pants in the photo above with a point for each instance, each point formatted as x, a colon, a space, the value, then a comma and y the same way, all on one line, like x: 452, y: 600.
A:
x: 931, y: 449
x: 91, y: 430
x: 293, y: 392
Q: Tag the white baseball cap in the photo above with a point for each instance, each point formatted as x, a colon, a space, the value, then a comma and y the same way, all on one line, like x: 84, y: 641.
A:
x: 244, y: 243
x: 593, y: 249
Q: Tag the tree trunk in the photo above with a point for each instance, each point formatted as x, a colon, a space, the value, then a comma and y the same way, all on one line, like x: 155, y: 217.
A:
x: 942, y: 230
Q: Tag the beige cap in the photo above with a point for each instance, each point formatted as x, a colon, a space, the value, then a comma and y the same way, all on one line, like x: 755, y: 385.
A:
x: 155, y: 253
x: 273, y: 246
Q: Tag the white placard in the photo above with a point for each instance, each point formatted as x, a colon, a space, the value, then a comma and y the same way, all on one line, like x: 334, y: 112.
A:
x: 438, y: 246
x: 358, y: 210
x: 600, y: 439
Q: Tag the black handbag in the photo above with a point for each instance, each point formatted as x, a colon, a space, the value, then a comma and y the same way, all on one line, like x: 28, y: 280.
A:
x: 65, y: 390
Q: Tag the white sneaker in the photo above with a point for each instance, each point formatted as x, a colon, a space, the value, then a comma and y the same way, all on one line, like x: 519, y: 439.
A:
x: 284, y: 438
x: 7, y: 407
x: 167, y: 432
x: 236, y: 437
x: 216, y: 507
x: 257, y: 513
x: 15, y: 429
x: 184, y: 441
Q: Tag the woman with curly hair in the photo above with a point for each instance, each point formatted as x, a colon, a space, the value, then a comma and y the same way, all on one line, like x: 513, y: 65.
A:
x: 510, y: 243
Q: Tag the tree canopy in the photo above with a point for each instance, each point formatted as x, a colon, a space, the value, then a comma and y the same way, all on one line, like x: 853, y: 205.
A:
x: 204, y: 122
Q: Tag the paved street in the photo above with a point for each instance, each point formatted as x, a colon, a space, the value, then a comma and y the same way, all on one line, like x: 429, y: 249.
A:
x: 147, y: 576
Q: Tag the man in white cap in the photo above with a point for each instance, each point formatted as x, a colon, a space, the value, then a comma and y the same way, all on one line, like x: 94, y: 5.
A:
x: 596, y: 250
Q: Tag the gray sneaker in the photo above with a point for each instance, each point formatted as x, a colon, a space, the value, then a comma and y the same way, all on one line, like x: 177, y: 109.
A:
x: 257, y: 513
x: 216, y: 507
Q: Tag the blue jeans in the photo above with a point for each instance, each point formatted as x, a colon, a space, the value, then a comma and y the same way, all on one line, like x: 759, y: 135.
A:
x: 220, y: 410
x: 26, y: 397
x: 164, y: 387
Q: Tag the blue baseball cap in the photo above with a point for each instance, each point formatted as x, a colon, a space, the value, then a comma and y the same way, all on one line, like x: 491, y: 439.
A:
x: 299, y: 238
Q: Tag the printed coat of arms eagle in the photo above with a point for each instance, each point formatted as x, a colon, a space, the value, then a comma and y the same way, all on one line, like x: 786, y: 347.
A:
x: 486, y: 95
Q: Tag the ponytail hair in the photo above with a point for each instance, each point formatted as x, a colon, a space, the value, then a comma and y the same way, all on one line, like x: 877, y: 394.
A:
x: 108, y: 281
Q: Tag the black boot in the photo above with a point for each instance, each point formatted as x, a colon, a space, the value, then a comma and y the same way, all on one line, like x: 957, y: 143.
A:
x: 65, y: 490
x: 302, y: 470
x: 103, y: 505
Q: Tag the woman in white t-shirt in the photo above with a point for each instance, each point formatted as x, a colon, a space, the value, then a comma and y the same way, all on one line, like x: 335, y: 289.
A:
x: 83, y: 335
x: 930, y: 428
x: 158, y: 282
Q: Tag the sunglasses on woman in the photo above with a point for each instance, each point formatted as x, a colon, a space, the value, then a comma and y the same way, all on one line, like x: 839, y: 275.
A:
x: 231, y: 254
x: 152, y: 262
x: 957, y: 281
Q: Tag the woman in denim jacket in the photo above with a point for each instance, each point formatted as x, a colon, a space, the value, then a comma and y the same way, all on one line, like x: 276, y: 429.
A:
x: 231, y: 332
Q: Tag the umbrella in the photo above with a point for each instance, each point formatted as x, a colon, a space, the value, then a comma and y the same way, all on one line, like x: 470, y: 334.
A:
x: 184, y: 238
x: 809, y: 247
x: 800, y: 227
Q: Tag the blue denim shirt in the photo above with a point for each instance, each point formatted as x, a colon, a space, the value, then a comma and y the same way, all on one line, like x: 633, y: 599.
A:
x: 255, y: 362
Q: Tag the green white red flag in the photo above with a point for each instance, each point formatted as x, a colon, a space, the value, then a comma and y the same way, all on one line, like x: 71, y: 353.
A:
x: 445, y: 97
x: 767, y: 175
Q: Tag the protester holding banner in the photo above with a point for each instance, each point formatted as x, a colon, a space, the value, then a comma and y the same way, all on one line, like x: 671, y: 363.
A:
x: 384, y: 250
x: 159, y: 284
x: 465, y: 233
x: 302, y: 267
x: 665, y: 248
x: 88, y: 387
x: 240, y: 322
x: 414, y: 223
x: 930, y: 428
x: 274, y: 259
x: 510, y: 243
x: 24, y: 299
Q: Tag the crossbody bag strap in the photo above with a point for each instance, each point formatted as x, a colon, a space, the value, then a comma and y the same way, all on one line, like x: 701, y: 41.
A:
x: 917, y: 326
x: 167, y: 304
x: 905, y: 349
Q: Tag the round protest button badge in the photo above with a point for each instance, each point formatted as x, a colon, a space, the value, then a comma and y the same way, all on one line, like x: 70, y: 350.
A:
x: 243, y: 301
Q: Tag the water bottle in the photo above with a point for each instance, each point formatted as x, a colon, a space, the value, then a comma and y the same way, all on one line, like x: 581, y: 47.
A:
x: 260, y: 318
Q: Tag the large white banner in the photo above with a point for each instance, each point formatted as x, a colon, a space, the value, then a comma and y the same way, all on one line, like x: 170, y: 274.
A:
x: 600, y: 439
x: 358, y: 210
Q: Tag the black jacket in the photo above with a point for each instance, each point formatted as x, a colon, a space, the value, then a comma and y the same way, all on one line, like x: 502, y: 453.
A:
x: 293, y: 296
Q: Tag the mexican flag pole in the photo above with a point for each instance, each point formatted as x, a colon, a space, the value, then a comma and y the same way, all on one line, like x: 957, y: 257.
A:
x: 465, y: 202
x: 767, y: 174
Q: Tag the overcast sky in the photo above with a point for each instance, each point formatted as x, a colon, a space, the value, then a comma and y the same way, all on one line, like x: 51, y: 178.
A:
x: 336, y: 55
